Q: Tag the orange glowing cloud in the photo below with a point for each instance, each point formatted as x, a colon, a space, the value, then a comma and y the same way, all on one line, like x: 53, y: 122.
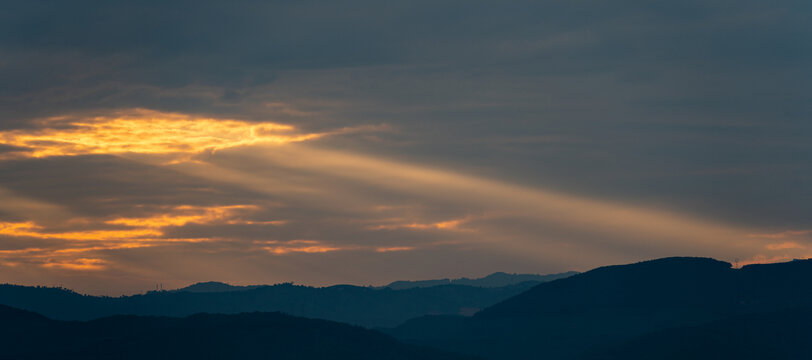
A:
x: 301, y: 246
x: 393, y: 248
x: 317, y: 247
x: 182, y: 215
x: 441, y: 225
x: 77, y: 264
x: 30, y: 229
x: 145, y: 228
x: 138, y: 232
x: 279, y: 250
x: 146, y: 132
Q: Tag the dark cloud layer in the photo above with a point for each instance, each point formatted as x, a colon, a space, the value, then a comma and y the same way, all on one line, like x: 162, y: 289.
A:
x: 109, y: 49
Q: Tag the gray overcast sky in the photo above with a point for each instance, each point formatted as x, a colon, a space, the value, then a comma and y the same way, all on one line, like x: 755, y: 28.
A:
x: 368, y: 141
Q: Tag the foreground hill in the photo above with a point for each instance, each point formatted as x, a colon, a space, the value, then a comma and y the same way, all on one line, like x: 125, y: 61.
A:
x: 775, y: 335
x: 351, y: 304
x: 26, y: 335
x: 611, y: 305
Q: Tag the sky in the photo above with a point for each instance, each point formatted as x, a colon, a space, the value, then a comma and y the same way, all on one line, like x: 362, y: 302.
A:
x: 361, y: 142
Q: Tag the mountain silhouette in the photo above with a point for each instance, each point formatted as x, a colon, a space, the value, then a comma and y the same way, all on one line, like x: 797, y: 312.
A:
x: 671, y: 308
x: 614, y: 304
x: 497, y: 279
x: 214, y: 286
x: 25, y: 335
x: 351, y: 304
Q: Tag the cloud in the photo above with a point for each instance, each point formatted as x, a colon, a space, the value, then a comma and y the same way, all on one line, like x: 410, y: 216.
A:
x: 68, y: 250
x: 350, y: 184
x: 77, y: 264
x: 782, y: 235
x: 145, y: 132
x: 562, y: 136
x: 302, y: 246
x: 185, y: 214
x: 393, y: 224
x: 29, y: 229
x: 19, y: 206
x: 300, y: 200
x: 785, y: 246
x: 394, y: 248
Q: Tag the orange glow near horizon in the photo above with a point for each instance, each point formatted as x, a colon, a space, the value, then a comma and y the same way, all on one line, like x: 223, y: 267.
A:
x: 145, y: 132
x: 764, y: 259
x: 781, y: 235
x: 785, y: 246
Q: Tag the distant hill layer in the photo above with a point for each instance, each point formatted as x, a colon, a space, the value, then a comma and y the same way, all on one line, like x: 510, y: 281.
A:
x: 26, y: 335
x: 497, y: 279
x: 214, y: 286
x: 351, y: 304
x: 611, y: 305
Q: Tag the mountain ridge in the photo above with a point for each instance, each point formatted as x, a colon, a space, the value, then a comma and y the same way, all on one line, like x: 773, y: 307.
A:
x: 614, y: 304
x: 346, y: 303
x: 497, y: 279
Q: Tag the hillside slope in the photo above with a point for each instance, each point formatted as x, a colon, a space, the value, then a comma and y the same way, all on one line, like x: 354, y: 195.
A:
x: 614, y: 304
x: 777, y: 335
x: 26, y: 335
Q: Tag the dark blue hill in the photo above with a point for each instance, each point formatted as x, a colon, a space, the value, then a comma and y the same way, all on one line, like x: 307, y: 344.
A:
x: 776, y: 335
x: 24, y: 335
x: 610, y: 305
